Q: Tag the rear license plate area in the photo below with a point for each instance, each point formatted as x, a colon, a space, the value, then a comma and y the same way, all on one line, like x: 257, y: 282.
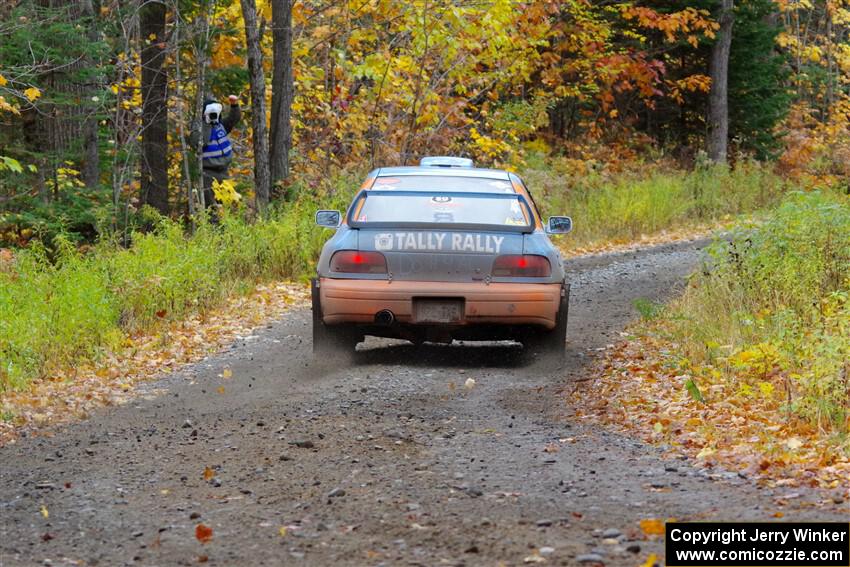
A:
x: 429, y: 310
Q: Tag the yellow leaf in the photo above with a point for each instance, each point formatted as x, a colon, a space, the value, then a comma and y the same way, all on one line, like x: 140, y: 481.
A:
x: 706, y: 452
x: 44, y: 512
x: 651, y: 561
x: 3, y: 81
x: 208, y: 473
x: 220, y: 389
x: 652, y: 526
x: 282, y: 531
x: 32, y: 93
x: 227, y: 373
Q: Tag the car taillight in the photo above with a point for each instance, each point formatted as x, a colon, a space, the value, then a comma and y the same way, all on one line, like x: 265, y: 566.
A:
x: 357, y: 262
x: 521, y: 266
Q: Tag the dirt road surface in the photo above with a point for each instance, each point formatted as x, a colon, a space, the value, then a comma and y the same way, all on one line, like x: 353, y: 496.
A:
x: 394, y: 459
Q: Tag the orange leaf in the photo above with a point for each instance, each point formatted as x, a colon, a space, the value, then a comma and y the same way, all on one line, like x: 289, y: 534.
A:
x: 208, y: 473
x: 203, y: 533
x: 652, y: 527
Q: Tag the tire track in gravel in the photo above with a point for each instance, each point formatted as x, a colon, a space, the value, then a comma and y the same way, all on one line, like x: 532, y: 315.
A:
x: 388, y: 460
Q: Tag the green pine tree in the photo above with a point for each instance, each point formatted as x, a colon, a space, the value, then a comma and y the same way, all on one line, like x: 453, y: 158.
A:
x: 758, y: 73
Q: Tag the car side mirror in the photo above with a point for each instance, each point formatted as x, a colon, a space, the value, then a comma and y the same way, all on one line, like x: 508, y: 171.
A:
x: 328, y: 219
x: 559, y: 225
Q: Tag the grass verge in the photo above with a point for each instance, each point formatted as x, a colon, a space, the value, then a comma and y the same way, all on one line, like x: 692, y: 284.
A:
x: 66, y: 308
x: 616, y: 208
x: 750, y: 368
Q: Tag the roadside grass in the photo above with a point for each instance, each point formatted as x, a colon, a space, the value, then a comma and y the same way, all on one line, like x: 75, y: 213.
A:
x: 62, y: 308
x: 622, y: 207
x: 751, y: 365
x: 777, y: 300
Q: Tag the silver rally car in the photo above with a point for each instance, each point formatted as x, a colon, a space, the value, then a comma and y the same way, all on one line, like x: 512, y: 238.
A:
x: 439, y: 252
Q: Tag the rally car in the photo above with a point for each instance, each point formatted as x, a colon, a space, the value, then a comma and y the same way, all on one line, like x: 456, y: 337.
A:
x: 439, y: 252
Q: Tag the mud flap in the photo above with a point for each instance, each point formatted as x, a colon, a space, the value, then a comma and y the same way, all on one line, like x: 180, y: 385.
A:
x: 328, y: 341
x: 551, y: 345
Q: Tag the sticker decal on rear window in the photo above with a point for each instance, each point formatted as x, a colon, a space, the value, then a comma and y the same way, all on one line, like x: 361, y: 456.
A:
x: 384, y: 241
x: 439, y: 241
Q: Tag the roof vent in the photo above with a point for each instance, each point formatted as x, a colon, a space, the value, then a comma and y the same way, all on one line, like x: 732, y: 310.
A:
x: 445, y: 161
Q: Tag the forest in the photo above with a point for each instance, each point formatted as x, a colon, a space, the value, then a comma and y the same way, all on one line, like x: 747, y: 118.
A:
x: 642, y: 119
x: 99, y: 98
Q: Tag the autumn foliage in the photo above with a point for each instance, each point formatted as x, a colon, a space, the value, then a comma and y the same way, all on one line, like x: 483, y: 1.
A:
x: 749, y: 369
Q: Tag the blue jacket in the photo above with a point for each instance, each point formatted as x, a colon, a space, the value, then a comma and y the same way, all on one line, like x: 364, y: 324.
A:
x: 217, y: 148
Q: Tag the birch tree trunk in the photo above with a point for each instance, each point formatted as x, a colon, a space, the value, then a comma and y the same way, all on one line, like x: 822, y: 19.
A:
x: 718, y: 98
x: 282, y: 90
x: 202, y: 58
x: 262, y: 174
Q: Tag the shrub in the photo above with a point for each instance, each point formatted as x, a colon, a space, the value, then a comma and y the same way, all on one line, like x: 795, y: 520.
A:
x: 58, y: 311
x: 777, y: 298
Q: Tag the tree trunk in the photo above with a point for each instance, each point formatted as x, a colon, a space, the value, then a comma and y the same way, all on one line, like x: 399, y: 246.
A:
x: 262, y: 175
x: 202, y: 57
x: 154, y: 107
x: 282, y: 90
x: 718, y: 98
x: 91, y: 154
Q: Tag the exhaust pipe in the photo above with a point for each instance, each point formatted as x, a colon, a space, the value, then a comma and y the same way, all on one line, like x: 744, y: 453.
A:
x: 384, y: 317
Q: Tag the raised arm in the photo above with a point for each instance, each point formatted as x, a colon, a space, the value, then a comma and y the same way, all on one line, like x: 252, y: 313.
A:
x: 234, y: 115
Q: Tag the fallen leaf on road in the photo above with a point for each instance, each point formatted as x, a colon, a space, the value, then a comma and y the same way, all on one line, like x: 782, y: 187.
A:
x: 44, y: 512
x: 652, y: 526
x: 203, y: 534
x: 705, y: 452
x: 282, y: 531
x: 651, y: 561
x: 227, y: 373
x: 220, y: 389
x: 469, y: 384
x: 208, y: 474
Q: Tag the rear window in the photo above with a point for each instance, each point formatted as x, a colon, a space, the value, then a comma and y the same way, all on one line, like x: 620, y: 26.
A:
x: 443, y: 183
x: 391, y: 208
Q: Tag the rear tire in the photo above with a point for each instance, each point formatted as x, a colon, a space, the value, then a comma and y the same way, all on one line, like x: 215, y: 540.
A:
x: 329, y: 341
x: 551, y: 345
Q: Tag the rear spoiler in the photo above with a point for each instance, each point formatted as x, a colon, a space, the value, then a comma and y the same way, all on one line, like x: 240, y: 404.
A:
x: 445, y: 161
x: 363, y: 194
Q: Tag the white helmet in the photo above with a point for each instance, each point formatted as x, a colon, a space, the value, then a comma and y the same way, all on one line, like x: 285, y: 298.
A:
x: 212, y: 112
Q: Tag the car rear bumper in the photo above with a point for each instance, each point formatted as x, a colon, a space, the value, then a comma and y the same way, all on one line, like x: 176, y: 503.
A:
x: 357, y: 301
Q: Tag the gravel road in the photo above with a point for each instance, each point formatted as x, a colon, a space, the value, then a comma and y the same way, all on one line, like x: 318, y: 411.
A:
x: 395, y: 459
